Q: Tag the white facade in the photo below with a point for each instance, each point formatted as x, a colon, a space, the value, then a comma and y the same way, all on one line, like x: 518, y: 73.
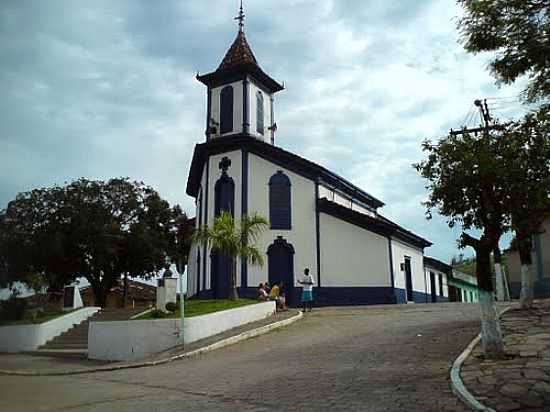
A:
x: 400, y: 252
x: 323, y: 222
x: 237, y: 108
x: 352, y: 256
x: 137, y: 339
x: 19, y: 338
x: 302, y: 233
x: 440, y: 279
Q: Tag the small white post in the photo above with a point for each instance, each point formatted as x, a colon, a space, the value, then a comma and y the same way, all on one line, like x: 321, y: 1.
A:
x: 182, y: 308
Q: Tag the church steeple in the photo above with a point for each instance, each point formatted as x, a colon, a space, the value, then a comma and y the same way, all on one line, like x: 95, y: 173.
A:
x: 240, y: 93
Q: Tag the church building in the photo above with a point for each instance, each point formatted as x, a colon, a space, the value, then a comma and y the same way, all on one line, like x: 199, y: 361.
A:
x: 317, y: 219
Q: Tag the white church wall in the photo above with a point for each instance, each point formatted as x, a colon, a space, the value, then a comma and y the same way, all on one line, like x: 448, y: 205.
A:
x: 303, y: 233
x: 235, y: 172
x: 346, y: 201
x: 352, y: 256
x: 399, y: 251
x: 253, y: 89
x: 237, y: 107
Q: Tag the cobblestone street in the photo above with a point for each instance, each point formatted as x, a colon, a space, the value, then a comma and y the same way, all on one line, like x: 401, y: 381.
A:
x: 522, y: 381
x: 388, y: 358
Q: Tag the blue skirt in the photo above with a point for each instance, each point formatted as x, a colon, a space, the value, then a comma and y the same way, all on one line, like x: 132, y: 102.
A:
x: 307, y: 295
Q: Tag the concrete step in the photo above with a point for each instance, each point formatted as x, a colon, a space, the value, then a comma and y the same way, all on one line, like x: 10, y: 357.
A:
x: 63, y: 353
x: 69, y: 341
x: 80, y: 345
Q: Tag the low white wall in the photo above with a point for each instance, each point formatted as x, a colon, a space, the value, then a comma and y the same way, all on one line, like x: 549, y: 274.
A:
x: 18, y: 338
x: 137, y: 339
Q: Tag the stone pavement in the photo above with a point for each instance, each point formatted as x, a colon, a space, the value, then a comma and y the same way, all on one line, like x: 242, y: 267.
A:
x: 521, y: 382
x: 391, y: 358
x: 40, y: 363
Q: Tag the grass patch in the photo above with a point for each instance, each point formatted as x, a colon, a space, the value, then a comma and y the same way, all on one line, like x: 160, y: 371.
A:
x: 196, y: 307
x: 28, y: 320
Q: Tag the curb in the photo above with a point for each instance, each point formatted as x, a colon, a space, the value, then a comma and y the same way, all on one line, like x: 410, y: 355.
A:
x: 216, y: 345
x: 458, y: 387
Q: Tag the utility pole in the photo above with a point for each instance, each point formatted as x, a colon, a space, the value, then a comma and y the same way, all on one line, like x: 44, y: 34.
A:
x: 485, y: 118
x: 485, y: 127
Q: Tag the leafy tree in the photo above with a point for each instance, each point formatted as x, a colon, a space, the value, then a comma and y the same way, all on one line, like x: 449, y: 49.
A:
x: 528, y: 179
x: 518, y: 31
x: 465, y: 175
x: 233, y: 241
x: 96, y: 229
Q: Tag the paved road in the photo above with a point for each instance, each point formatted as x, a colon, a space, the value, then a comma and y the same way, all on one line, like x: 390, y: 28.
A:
x: 336, y: 359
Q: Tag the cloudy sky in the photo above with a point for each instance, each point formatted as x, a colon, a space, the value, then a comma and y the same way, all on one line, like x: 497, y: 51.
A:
x: 107, y: 88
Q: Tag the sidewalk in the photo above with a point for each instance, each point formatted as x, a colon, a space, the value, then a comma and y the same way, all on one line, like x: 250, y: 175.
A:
x: 27, y: 364
x: 522, y: 381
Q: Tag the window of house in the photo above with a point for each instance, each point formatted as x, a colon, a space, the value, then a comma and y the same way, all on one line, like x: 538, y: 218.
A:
x: 226, y: 109
x: 260, y: 112
x: 279, y: 201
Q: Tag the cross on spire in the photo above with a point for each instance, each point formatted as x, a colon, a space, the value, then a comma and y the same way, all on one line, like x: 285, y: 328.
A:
x: 240, y: 17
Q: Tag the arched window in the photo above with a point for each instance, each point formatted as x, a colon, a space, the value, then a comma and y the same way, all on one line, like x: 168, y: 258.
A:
x: 226, y: 110
x: 224, y: 195
x: 279, y: 201
x: 260, y: 112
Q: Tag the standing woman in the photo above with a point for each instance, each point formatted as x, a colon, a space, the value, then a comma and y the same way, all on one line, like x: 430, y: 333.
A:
x: 307, y: 291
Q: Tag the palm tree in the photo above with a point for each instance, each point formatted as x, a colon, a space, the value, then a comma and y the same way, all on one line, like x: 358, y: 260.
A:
x: 232, y: 240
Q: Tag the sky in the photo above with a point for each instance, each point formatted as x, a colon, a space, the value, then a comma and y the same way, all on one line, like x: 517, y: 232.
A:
x: 107, y: 88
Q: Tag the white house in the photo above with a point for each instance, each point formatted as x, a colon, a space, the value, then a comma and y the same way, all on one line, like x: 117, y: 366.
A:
x: 437, y: 280
x: 318, y: 220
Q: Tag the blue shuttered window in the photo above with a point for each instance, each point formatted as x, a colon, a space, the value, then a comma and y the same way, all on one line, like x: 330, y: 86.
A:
x: 260, y: 112
x: 279, y: 201
x: 226, y: 110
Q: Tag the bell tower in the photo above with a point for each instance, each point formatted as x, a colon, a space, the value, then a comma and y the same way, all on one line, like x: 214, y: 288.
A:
x: 240, y: 94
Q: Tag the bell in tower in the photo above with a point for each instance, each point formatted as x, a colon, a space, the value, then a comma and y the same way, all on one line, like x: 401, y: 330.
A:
x: 240, y: 94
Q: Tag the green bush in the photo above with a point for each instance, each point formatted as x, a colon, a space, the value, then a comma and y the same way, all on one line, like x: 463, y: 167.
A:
x: 171, y: 307
x: 12, y: 309
x: 157, y: 314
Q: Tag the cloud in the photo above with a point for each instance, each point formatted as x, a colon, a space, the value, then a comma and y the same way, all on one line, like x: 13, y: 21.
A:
x: 104, y: 89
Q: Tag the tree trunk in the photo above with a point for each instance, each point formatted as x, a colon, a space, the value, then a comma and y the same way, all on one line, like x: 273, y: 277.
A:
x: 491, y: 333
x: 499, y: 277
x: 526, y: 294
x: 234, y: 295
x: 125, y: 291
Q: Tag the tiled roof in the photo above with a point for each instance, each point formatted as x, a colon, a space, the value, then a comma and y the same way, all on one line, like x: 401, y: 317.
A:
x: 239, y: 54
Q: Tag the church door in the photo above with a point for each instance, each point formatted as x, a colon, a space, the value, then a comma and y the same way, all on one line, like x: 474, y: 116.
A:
x: 408, y: 280
x: 220, y: 275
x: 280, y: 264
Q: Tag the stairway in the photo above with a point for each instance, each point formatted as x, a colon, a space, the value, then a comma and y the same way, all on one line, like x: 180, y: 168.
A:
x: 74, y: 342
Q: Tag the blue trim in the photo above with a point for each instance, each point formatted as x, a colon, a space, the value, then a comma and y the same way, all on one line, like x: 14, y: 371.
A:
x: 272, y: 121
x: 392, y: 276
x: 246, y: 105
x: 343, y: 296
x: 400, y: 295
x: 418, y: 297
x: 317, y: 233
x: 244, y: 211
x: 208, y: 112
x: 542, y: 288
x: 201, y: 195
x: 206, y: 219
